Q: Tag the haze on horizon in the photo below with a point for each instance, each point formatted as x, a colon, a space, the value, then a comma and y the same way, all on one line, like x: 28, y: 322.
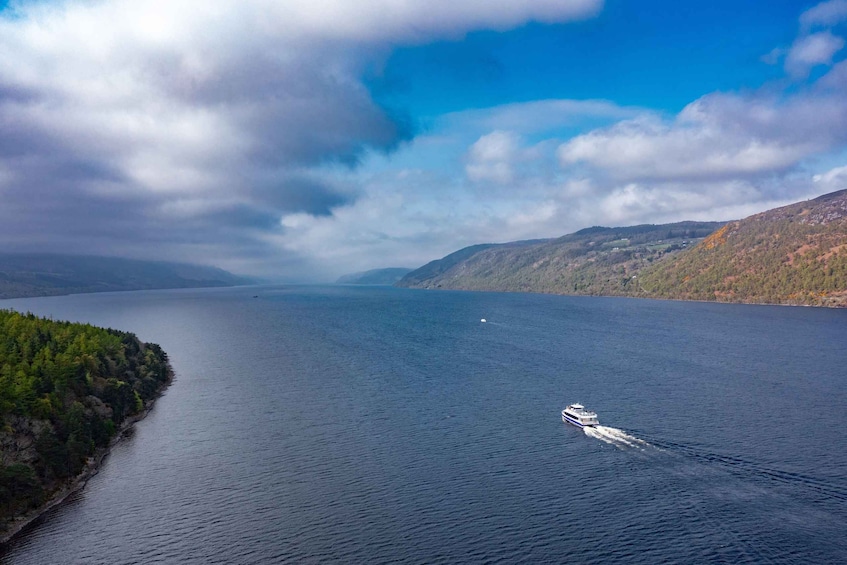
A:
x: 304, y: 140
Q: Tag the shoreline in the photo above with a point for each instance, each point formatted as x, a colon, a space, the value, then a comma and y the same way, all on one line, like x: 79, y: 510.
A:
x: 637, y: 296
x: 29, y: 520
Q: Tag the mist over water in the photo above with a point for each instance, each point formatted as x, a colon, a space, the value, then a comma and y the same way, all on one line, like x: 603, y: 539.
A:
x: 377, y: 425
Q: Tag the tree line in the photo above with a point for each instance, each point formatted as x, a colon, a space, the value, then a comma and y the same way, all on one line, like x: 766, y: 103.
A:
x: 65, y: 390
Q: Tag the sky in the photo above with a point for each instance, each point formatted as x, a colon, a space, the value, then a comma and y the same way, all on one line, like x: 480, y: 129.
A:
x: 302, y: 140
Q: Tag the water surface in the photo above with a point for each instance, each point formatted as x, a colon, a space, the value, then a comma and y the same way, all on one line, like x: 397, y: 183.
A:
x: 346, y: 424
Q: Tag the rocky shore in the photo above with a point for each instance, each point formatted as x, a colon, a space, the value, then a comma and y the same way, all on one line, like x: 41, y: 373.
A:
x: 19, y: 524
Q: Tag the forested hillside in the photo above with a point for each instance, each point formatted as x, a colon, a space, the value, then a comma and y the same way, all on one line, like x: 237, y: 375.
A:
x: 65, y: 390
x: 796, y: 254
x: 593, y: 261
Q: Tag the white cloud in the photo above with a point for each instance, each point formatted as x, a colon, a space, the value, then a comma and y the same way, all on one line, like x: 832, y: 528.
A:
x: 773, y: 56
x: 393, y: 223
x: 825, y: 14
x: 165, y: 22
x: 832, y: 180
x: 538, y: 116
x: 717, y: 137
x: 407, y: 21
x: 649, y: 149
x: 810, y: 51
x: 668, y: 202
x: 492, y: 156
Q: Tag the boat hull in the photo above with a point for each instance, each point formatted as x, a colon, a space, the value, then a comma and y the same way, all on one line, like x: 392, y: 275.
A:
x: 577, y: 415
x: 569, y: 420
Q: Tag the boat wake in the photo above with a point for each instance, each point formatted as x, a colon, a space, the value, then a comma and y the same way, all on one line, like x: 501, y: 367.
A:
x: 616, y: 437
x: 716, y: 462
x: 749, y: 468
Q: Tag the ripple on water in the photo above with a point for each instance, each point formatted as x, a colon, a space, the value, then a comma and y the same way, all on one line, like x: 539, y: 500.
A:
x: 381, y: 425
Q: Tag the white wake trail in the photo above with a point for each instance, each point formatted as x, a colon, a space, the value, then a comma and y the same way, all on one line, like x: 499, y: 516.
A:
x: 616, y: 437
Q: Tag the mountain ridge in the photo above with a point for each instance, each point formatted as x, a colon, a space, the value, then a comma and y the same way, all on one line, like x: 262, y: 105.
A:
x: 795, y: 254
x: 384, y: 276
x: 49, y: 274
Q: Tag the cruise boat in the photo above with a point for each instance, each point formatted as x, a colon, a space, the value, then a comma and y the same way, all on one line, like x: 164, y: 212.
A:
x: 577, y: 415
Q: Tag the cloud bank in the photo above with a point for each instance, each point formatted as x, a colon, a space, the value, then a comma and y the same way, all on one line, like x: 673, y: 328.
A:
x: 188, y: 130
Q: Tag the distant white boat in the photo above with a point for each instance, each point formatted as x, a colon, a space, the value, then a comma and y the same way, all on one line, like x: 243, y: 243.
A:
x: 577, y: 415
x: 482, y: 320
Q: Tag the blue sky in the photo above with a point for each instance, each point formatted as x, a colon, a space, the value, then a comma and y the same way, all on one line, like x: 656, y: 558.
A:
x: 658, y: 54
x: 302, y: 140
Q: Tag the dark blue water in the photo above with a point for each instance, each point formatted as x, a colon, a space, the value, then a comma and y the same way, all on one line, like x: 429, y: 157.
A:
x: 380, y: 425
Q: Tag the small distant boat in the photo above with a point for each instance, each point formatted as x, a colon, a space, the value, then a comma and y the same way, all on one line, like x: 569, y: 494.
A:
x: 482, y: 320
x: 577, y: 415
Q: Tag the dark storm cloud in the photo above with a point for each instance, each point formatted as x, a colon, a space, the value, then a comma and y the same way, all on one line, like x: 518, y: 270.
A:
x: 21, y: 137
x: 298, y: 193
x: 197, y: 143
x: 304, y: 108
x: 185, y: 131
x: 12, y: 93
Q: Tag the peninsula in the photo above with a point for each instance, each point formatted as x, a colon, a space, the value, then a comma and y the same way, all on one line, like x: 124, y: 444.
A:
x: 67, y: 393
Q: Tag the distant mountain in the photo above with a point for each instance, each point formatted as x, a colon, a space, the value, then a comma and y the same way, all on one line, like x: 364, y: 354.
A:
x: 595, y: 261
x: 46, y: 274
x: 796, y: 254
x: 387, y: 276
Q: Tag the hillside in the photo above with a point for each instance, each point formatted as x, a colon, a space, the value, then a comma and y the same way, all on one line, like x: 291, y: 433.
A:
x: 65, y: 391
x: 47, y: 274
x: 387, y: 276
x: 595, y: 261
x: 796, y: 254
